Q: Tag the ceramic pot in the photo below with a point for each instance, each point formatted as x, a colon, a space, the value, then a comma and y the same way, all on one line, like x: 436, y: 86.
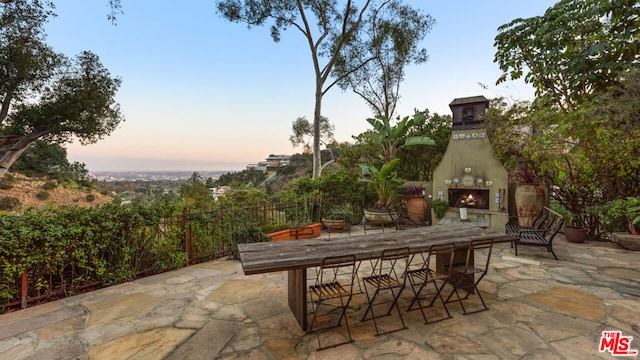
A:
x: 575, y: 235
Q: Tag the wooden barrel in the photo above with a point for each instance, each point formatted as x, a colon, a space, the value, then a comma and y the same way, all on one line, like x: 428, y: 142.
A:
x: 529, y: 202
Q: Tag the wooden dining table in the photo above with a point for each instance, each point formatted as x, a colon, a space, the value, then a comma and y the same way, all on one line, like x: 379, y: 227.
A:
x: 296, y: 256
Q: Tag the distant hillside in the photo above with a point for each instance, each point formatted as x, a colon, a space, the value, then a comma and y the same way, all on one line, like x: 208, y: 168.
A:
x: 34, y: 193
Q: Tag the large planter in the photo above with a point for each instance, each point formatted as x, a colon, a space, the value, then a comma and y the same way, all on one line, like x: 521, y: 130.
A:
x: 334, y: 225
x: 417, y: 207
x: 313, y: 231
x: 379, y: 216
x: 529, y: 199
x: 575, y: 235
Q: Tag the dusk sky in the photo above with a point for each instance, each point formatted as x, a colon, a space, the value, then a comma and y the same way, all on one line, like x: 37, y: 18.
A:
x: 200, y: 93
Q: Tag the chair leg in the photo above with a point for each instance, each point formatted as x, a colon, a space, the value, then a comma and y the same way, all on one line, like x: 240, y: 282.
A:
x: 438, y: 294
x: 472, y: 288
x: 370, y: 305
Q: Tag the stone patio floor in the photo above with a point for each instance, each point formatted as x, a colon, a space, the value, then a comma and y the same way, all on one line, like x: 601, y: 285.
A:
x: 540, y: 308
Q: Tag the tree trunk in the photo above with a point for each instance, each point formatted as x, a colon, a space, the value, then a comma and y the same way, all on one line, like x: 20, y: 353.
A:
x: 10, y: 155
x: 317, y: 118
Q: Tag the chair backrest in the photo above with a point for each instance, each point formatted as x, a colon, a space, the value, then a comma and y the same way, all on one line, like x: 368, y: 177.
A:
x: 542, y: 220
x: 480, y: 244
x: 442, y: 252
x: 393, y: 262
x: 337, y: 268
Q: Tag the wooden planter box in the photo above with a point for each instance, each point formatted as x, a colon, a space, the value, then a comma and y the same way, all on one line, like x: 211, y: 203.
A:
x: 304, y: 232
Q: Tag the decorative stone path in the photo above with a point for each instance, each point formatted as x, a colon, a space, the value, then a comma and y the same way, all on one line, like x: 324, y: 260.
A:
x: 540, y: 308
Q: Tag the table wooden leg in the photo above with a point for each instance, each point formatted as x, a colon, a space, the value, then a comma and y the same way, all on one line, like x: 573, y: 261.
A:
x: 297, y: 288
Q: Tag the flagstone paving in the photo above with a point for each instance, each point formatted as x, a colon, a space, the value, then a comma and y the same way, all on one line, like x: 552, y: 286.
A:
x: 540, y: 308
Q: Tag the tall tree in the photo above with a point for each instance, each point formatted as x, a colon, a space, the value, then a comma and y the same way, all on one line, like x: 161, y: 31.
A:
x: 391, y: 37
x: 327, y: 27
x: 44, y: 94
x: 303, y: 133
x: 575, y: 55
x: 578, y: 48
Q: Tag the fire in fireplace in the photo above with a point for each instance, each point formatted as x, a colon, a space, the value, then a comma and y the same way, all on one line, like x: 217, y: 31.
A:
x: 471, y: 198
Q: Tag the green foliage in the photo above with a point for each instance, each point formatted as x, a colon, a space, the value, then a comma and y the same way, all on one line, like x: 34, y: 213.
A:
x: 195, y: 194
x: 9, y: 203
x: 328, y: 27
x: 385, y: 182
x: 574, y: 51
x: 625, y: 211
x: 303, y: 133
x: 241, y: 177
x: 48, y: 95
x: 440, y: 208
x: 392, y: 37
x: 418, y: 162
x: 391, y: 137
x: 341, y: 212
x: 43, y: 195
x: 108, y: 245
x: 247, y: 234
x: 49, y: 185
x: 90, y: 197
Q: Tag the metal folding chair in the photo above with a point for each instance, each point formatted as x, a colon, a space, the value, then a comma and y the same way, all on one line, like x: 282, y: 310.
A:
x: 421, y: 273
x: 332, y: 291
x: 388, y: 276
x: 468, y: 277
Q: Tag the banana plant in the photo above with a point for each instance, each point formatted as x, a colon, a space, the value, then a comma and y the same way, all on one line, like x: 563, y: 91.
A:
x: 385, y: 182
x: 393, y: 137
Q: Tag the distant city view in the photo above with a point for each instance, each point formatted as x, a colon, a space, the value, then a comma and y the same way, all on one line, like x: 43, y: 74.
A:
x: 152, y: 175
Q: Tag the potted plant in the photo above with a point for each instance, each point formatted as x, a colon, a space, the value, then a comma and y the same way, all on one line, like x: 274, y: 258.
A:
x: 440, y: 208
x: 574, y: 230
x: 339, y: 217
x: 387, y: 185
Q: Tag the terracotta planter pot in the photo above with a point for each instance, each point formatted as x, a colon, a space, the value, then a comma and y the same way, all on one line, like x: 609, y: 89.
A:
x: 334, y: 224
x: 417, y: 208
x: 575, y: 235
x: 529, y: 199
x: 281, y: 235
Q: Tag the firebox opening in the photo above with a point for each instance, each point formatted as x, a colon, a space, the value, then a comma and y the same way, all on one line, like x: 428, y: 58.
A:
x: 470, y: 198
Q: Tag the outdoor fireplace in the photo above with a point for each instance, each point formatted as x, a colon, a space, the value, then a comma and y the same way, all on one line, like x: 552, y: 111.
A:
x: 469, y: 178
x: 469, y: 198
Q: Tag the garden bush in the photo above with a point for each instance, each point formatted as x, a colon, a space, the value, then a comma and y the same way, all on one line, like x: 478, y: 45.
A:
x: 42, y: 195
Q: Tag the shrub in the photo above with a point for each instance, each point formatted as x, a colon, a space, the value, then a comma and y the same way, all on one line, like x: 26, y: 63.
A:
x: 42, y: 195
x: 440, y: 207
x: 9, y: 203
x: 49, y: 185
x: 246, y: 235
x: 90, y: 197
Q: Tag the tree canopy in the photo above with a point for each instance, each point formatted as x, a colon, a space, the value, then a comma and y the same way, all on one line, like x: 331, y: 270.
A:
x: 44, y: 94
x: 580, y: 134
x: 391, y: 37
x: 578, y: 48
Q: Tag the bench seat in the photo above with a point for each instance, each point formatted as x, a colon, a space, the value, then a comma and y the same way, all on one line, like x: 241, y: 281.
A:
x: 545, y: 228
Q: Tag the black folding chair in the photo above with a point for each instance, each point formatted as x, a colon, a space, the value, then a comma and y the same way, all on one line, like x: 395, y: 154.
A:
x: 421, y: 274
x: 332, y: 291
x: 467, y: 277
x: 388, y: 276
